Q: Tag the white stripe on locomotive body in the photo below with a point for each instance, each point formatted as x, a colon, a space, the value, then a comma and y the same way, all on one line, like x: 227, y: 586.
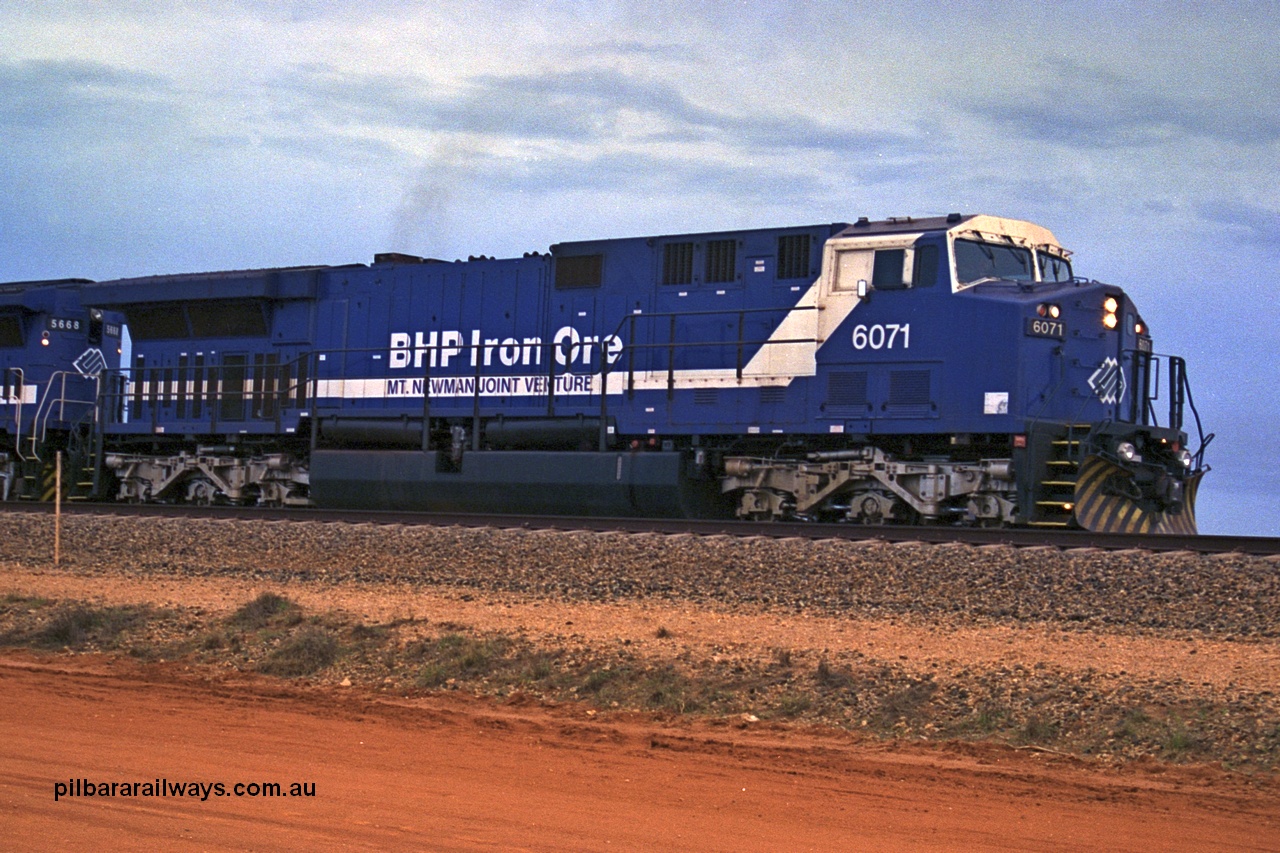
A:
x: 804, y: 329
x: 28, y: 397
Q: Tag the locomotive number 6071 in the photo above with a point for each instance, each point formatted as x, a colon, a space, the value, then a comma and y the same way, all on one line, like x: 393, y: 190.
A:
x: 879, y: 336
x: 1045, y: 328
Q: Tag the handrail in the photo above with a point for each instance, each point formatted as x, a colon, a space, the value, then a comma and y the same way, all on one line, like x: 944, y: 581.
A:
x: 1180, y: 398
x: 1184, y: 393
x: 18, y: 389
x: 778, y: 309
x: 45, y: 406
x: 202, y: 386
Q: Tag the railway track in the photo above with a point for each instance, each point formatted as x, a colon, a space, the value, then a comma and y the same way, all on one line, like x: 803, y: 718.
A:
x: 1020, y: 538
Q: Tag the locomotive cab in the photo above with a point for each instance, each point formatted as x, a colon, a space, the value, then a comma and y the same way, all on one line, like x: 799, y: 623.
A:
x: 1103, y: 455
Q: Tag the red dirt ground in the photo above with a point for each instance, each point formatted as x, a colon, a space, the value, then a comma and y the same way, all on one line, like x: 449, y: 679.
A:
x: 453, y: 773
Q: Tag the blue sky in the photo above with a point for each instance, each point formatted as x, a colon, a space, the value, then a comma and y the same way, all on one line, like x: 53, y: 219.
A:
x: 155, y: 137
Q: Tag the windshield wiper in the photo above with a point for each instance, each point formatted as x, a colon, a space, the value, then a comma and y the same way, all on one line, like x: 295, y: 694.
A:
x: 999, y: 279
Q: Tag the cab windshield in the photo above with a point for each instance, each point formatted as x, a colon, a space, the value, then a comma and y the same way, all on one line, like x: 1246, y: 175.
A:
x: 977, y: 262
x: 1053, y: 268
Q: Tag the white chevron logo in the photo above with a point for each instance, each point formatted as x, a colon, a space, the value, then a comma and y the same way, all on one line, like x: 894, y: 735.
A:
x: 1108, y: 382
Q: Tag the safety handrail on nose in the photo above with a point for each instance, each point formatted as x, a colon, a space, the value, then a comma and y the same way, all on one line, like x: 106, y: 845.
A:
x: 45, y: 407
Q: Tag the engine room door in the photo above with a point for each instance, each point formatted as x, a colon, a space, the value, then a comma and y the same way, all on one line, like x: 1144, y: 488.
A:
x: 331, y: 361
x: 231, y: 398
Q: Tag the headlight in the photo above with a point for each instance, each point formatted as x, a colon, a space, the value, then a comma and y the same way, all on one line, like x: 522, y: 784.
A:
x: 1127, y: 452
x: 1184, y: 456
x: 1110, y: 305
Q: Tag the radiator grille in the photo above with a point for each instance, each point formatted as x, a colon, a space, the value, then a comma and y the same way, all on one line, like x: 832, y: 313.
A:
x: 847, y: 389
x: 677, y: 263
x: 721, y: 261
x: 773, y: 394
x: 909, y: 388
x: 793, y: 256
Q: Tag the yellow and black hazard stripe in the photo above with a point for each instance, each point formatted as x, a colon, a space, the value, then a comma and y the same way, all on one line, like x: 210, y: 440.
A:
x: 1184, y: 523
x: 1103, y: 510
x: 48, y: 483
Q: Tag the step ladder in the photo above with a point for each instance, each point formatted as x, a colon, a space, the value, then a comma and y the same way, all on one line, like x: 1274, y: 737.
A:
x: 1055, y: 498
x: 79, y: 461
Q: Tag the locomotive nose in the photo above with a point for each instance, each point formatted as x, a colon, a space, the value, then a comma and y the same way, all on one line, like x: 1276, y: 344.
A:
x: 1111, y: 499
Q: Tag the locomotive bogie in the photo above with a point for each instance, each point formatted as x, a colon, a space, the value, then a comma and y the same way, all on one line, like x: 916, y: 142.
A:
x: 276, y: 479
x: 870, y: 486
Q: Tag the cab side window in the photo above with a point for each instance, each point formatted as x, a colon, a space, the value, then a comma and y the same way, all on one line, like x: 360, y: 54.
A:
x: 898, y: 269
x: 887, y: 271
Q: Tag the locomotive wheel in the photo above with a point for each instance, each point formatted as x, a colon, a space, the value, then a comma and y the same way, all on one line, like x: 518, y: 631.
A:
x: 201, y: 492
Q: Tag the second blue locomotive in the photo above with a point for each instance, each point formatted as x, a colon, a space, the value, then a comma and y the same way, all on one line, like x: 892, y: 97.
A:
x: 55, y: 354
x: 948, y: 369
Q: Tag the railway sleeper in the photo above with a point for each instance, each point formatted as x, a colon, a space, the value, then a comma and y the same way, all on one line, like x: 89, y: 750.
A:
x: 276, y: 479
x: 870, y: 486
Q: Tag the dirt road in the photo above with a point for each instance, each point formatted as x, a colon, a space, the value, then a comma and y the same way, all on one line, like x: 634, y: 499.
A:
x: 450, y: 772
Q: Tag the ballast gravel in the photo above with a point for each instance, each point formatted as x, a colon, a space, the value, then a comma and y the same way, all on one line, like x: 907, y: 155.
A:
x: 1188, y: 600
x: 1221, y: 595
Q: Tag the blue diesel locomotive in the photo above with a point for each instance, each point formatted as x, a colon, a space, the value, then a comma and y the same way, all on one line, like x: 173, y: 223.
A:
x: 54, y: 355
x: 938, y: 370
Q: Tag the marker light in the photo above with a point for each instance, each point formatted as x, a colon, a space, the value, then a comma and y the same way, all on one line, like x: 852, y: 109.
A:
x: 1140, y: 329
x: 1046, y: 309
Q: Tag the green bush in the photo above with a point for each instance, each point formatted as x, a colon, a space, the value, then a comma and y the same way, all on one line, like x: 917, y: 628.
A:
x: 308, y: 651
x: 267, y: 609
x: 76, y: 626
